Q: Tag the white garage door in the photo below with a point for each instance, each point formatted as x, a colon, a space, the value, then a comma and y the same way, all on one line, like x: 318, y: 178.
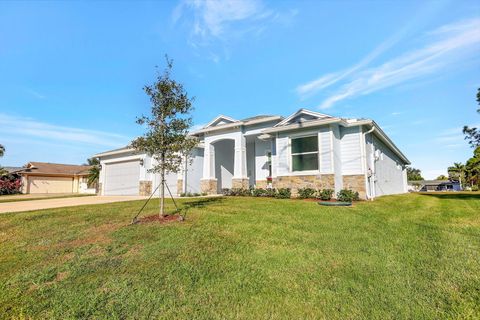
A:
x: 50, y: 185
x: 122, y: 178
x: 171, y: 179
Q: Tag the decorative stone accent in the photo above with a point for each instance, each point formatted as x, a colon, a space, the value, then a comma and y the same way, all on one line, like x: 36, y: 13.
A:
x: 240, y: 183
x: 179, y: 186
x: 321, y: 181
x: 145, y: 188
x: 261, y: 184
x: 355, y: 183
x: 208, y: 186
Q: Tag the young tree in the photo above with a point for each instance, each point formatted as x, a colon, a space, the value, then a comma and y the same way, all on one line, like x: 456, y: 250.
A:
x: 414, y: 174
x: 166, y: 139
x: 473, y: 134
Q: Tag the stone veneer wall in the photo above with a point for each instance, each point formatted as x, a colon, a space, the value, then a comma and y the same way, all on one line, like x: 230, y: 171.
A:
x: 179, y: 186
x: 145, y: 188
x: 323, y: 181
x: 239, y: 183
x: 208, y: 186
x: 261, y: 184
x: 355, y: 183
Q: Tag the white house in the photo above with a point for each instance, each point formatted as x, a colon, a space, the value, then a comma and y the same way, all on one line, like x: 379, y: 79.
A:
x: 306, y: 149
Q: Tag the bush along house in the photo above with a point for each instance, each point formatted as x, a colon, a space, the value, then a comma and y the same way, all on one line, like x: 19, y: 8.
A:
x: 306, y: 149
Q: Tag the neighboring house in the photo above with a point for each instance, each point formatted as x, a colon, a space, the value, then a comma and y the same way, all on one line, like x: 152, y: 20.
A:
x: 439, y: 185
x: 43, y: 177
x: 306, y: 149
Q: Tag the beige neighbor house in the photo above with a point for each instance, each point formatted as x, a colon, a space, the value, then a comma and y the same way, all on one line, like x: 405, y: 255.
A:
x: 43, y: 177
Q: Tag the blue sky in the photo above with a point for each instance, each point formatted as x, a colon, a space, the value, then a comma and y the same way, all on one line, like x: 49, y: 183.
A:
x: 71, y: 73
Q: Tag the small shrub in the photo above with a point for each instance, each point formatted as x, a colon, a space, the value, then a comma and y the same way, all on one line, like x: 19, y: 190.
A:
x: 283, y: 193
x: 306, y: 193
x: 271, y: 192
x: 189, y: 194
x: 259, y: 192
x: 325, y: 194
x: 236, y: 192
x: 10, y: 184
x: 346, y: 195
x: 474, y: 188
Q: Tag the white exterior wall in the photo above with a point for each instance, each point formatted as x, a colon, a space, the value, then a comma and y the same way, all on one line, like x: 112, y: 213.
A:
x: 261, y: 168
x: 194, y: 172
x: 389, y: 171
x: 337, y: 158
x: 326, y: 150
x: 351, y: 150
x: 282, y: 163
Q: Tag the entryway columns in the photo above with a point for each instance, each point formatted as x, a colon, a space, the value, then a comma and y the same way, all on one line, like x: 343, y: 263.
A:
x: 240, y: 178
x: 208, y: 183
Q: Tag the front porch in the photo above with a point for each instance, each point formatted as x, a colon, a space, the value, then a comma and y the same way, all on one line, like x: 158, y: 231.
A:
x: 231, y: 161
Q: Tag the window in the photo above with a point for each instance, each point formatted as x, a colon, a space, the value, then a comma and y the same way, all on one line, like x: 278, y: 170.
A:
x: 305, y: 153
x: 269, y: 163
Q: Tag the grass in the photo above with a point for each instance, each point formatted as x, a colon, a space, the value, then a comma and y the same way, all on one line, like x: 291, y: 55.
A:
x: 17, y: 197
x: 401, y: 257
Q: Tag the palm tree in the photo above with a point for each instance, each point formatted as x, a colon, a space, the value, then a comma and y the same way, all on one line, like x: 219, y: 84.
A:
x: 2, y: 150
x: 456, y: 171
x: 94, y: 172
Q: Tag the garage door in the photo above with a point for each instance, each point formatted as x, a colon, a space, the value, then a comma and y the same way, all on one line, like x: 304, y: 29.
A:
x: 50, y: 185
x: 122, y: 178
x: 171, y: 180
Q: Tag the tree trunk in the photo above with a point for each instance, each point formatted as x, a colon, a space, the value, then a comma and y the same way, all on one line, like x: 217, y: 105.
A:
x: 162, y: 188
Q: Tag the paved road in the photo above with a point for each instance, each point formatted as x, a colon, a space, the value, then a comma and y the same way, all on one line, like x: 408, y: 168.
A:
x: 62, y: 202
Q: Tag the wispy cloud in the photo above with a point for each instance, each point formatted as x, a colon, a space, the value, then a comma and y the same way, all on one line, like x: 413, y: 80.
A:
x: 312, y: 87
x: 446, y: 46
x: 396, y: 113
x: 210, y: 21
x: 30, y: 128
x: 212, y: 18
x: 36, y: 94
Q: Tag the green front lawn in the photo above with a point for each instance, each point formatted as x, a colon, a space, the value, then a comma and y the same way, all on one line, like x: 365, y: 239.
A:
x: 408, y: 256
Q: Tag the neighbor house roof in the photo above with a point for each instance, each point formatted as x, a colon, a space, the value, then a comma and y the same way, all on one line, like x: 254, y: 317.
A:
x: 56, y: 169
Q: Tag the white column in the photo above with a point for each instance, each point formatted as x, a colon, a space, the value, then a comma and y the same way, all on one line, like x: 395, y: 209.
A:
x: 209, y: 161
x: 240, y: 162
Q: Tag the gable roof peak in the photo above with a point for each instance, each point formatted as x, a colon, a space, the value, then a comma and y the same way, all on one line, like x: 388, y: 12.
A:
x: 312, y: 114
x: 218, y: 118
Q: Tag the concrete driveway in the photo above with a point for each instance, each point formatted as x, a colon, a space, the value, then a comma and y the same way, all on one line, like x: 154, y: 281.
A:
x: 29, y: 205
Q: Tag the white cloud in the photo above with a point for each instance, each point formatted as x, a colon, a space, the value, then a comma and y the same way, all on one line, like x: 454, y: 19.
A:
x: 396, y: 113
x: 312, y: 87
x: 29, y: 128
x: 212, y: 18
x: 447, y: 46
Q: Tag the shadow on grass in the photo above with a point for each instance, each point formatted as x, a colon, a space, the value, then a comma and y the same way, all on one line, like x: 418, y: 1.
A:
x: 202, y: 202
x: 453, y: 195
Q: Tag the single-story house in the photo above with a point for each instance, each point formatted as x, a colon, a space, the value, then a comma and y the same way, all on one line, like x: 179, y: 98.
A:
x: 44, y: 177
x: 440, y: 185
x: 305, y: 149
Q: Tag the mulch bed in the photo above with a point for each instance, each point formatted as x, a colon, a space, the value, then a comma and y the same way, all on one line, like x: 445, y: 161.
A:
x: 157, y: 218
